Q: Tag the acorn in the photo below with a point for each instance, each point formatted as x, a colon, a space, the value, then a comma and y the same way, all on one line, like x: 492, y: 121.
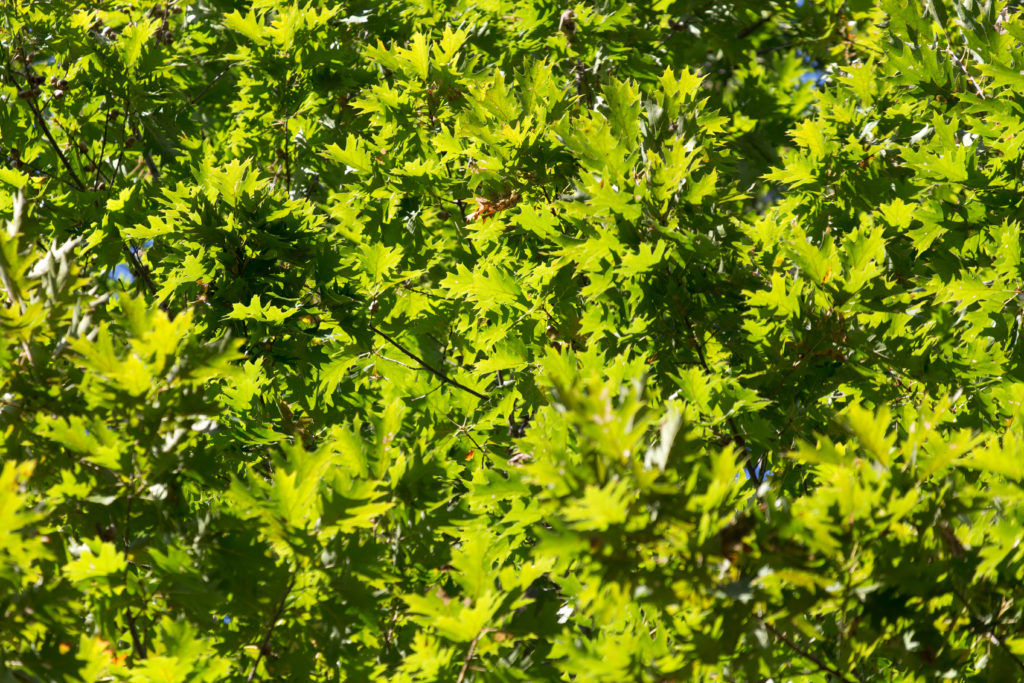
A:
x: 28, y: 93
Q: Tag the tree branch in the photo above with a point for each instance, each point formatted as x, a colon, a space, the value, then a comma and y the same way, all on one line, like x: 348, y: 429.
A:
x: 749, y: 466
x: 41, y: 122
x: 469, y: 655
x: 209, y: 85
x: 822, y: 664
x: 750, y: 30
x: 426, y: 366
x: 955, y: 550
x: 140, y: 649
x: 265, y: 642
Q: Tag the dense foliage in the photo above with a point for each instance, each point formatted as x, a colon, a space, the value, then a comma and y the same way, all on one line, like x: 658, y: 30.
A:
x: 511, y: 340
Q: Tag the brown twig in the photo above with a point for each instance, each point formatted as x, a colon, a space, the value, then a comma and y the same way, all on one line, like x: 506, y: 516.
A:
x: 822, y: 664
x: 469, y: 655
x: 10, y: 286
x: 140, y: 649
x: 955, y: 550
x: 426, y: 366
x: 265, y: 642
x: 209, y: 85
x: 41, y: 122
x: 959, y: 63
x: 153, y: 170
x: 747, y: 32
x: 463, y: 429
x: 737, y: 438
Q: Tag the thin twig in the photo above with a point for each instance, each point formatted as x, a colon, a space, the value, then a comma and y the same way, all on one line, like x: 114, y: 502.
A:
x: 396, y: 362
x: 140, y: 649
x: 951, y: 542
x: 428, y: 294
x: 959, y: 63
x: 153, y: 170
x: 99, y: 158
x: 10, y: 286
x: 426, y: 366
x: 749, y: 466
x: 141, y: 272
x: 265, y: 643
x: 210, y: 84
x: 463, y: 429
x: 747, y: 32
x: 41, y: 122
x: 469, y: 655
x: 822, y: 664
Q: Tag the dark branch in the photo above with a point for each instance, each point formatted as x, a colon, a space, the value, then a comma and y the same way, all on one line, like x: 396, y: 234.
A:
x: 810, y: 656
x: 140, y: 649
x: 426, y: 366
x: 265, y: 642
x: 750, y: 466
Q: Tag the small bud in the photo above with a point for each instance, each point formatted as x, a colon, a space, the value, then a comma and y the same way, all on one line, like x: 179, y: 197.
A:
x: 374, y: 306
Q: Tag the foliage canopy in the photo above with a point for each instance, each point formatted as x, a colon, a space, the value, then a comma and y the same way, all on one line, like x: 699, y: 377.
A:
x: 511, y: 340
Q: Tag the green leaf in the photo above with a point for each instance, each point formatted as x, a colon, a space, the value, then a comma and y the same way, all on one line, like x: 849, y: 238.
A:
x: 132, y: 40
x: 354, y: 155
x: 248, y: 25
x: 256, y: 311
x: 95, y: 560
